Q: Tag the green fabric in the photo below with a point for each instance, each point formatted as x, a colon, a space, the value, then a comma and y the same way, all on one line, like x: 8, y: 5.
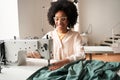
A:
x: 80, y: 70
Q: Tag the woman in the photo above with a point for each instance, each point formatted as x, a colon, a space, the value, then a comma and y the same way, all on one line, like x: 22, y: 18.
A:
x: 66, y: 43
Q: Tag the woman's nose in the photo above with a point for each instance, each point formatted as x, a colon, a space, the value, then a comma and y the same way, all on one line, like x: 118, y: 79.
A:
x: 59, y: 21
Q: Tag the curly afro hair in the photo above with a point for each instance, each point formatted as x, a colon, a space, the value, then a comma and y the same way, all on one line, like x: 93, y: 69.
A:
x: 66, y: 6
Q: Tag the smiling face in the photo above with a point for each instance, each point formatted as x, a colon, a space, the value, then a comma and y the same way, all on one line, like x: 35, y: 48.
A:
x: 61, y: 21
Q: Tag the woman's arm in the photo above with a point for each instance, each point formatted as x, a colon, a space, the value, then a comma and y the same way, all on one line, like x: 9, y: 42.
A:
x: 59, y: 64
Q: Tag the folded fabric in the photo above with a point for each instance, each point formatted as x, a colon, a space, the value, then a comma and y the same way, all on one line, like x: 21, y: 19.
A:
x: 80, y: 70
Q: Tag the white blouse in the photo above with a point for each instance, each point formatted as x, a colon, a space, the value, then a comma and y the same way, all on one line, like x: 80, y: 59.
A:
x: 69, y: 47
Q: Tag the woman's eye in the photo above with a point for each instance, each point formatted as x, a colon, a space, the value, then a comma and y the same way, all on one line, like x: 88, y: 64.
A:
x: 61, y: 18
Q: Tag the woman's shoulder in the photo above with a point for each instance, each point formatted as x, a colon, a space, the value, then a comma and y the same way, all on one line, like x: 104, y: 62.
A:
x: 74, y: 32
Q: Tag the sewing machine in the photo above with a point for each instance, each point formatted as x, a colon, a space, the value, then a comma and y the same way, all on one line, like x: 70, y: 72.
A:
x: 2, y: 54
x: 44, y: 46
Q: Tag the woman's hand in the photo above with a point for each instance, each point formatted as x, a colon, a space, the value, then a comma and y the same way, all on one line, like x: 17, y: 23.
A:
x: 58, y: 64
x: 33, y: 55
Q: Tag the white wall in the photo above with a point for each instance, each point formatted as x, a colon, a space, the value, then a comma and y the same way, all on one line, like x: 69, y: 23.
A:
x: 102, y: 14
x: 33, y: 17
x: 8, y: 19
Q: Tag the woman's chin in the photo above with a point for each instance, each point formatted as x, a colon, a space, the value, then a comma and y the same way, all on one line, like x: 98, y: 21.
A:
x: 60, y: 27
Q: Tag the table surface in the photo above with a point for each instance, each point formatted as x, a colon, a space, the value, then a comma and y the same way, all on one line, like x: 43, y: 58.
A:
x: 98, y: 49
x: 14, y: 72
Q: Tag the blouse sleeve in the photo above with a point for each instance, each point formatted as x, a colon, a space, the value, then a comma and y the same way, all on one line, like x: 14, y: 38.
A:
x: 78, y: 49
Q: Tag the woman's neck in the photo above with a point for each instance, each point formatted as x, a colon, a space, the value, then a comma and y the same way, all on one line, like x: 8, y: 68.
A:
x: 62, y: 31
